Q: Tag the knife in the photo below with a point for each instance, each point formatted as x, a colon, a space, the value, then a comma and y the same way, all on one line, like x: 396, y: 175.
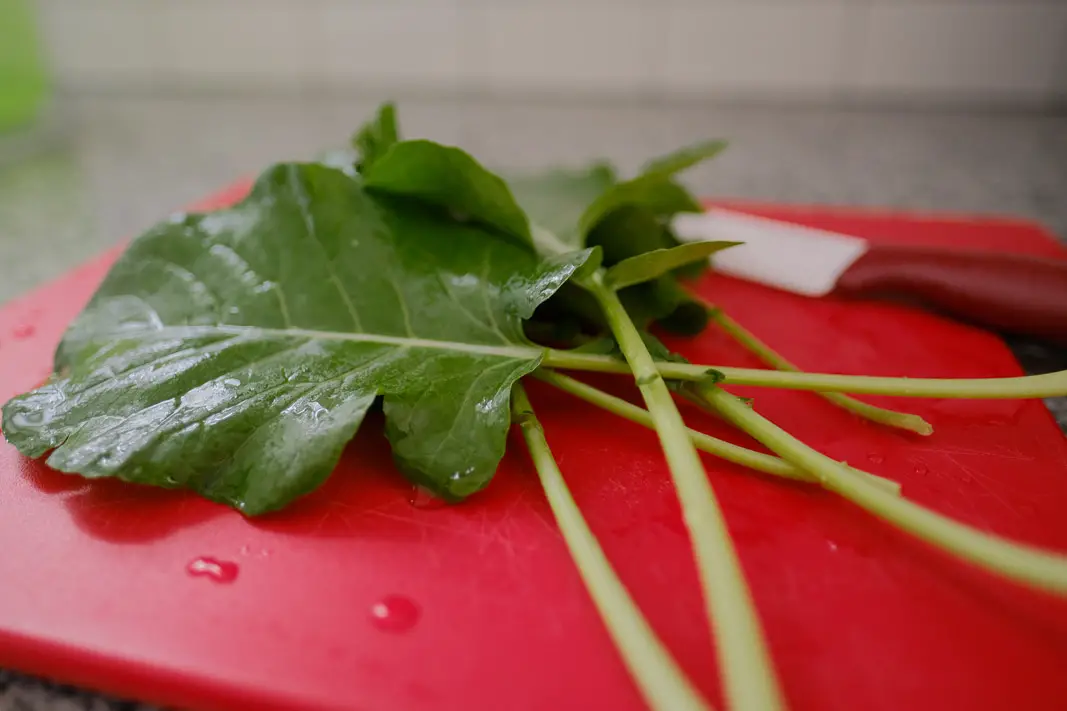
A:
x: 1012, y: 293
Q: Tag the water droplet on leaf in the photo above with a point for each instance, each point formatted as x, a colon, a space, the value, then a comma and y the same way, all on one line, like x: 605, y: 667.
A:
x: 456, y: 476
x: 34, y: 418
x: 232, y: 382
x: 220, y: 571
x: 394, y: 613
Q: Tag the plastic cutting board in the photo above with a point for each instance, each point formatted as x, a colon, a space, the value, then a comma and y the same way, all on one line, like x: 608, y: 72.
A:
x: 357, y: 598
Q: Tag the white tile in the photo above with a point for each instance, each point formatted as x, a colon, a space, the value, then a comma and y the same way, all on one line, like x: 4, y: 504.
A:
x: 222, y: 41
x: 104, y: 41
x: 966, y: 50
x: 756, y: 47
x: 563, y: 46
x: 414, y: 42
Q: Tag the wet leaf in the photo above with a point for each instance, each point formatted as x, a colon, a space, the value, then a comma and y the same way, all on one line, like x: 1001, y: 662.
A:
x: 235, y: 353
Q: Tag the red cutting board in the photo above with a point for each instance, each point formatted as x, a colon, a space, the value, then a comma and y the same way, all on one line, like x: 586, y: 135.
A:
x: 357, y: 599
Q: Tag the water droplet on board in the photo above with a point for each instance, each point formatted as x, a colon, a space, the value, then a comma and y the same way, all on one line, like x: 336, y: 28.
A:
x: 394, y: 613
x: 221, y: 571
x: 875, y: 458
x: 422, y: 498
x: 24, y: 331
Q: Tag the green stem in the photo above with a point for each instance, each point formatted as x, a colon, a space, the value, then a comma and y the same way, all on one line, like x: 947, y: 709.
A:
x: 662, y: 683
x: 768, y: 355
x: 712, y: 445
x: 1040, y: 569
x: 1031, y: 386
x: 749, y: 681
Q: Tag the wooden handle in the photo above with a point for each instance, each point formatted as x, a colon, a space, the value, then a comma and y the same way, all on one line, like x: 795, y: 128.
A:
x: 1010, y: 293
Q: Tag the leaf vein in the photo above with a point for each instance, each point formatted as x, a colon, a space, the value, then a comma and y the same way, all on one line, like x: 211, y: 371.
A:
x: 302, y: 204
x: 462, y: 406
x: 485, y: 298
x: 463, y: 309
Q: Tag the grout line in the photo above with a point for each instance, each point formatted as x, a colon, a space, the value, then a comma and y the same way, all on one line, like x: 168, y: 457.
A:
x: 927, y: 102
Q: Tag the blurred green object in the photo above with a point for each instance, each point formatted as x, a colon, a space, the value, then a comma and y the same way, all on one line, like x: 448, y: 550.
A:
x: 23, y: 79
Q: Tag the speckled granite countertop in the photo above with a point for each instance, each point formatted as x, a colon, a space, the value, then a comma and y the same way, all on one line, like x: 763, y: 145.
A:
x: 114, y: 166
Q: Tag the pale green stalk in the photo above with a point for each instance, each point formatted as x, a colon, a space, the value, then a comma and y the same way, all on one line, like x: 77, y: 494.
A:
x: 712, y: 445
x: 662, y: 683
x: 1031, y: 386
x: 1040, y: 569
x: 749, y: 681
x: 768, y: 355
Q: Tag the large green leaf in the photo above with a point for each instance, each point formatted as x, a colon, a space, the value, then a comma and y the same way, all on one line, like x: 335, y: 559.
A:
x: 450, y: 178
x: 235, y: 353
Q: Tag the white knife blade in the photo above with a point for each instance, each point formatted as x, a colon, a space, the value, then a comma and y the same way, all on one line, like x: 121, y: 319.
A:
x: 792, y: 257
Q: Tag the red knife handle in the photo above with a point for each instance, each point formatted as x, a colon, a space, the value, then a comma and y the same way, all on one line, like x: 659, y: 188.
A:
x: 1011, y: 293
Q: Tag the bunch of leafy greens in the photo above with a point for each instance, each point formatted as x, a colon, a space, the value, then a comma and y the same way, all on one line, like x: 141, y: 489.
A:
x: 236, y: 353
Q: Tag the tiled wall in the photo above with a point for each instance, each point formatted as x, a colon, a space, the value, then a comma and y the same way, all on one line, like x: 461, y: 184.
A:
x: 1001, y: 51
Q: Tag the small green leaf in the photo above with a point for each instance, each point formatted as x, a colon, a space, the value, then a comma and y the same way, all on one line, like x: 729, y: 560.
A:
x: 664, y: 302
x: 449, y: 178
x: 654, y: 188
x: 650, y: 265
x: 666, y: 198
x: 659, y: 351
x: 629, y: 231
x: 235, y: 353
x: 684, y: 158
x: 556, y: 199
x: 600, y: 346
x: 376, y: 136
x: 657, y: 194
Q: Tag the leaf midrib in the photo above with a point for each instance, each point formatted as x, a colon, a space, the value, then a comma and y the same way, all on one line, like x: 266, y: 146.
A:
x: 516, y: 351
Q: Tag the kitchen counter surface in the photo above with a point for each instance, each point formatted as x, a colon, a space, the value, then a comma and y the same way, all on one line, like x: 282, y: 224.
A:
x: 107, y: 168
